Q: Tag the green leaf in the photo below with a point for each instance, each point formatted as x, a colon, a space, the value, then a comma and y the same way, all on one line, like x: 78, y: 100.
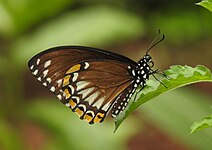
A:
x: 206, y: 3
x: 204, y: 123
x: 179, y: 76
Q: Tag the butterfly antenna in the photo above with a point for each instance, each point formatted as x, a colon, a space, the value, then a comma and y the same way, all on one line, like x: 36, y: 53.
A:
x: 153, y: 44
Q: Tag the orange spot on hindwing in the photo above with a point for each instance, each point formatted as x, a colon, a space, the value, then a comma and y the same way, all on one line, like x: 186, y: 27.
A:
x: 72, y: 104
x: 79, y: 112
x: 67, y: 93
x: 87, y: 118
x: 99, y: 118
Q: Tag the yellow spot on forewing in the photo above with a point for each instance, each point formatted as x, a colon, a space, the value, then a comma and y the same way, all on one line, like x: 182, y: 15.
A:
x: 66, y: 80
x: 67, y: 94
x: 99, y: 119
x: 74, y: 69
x: 79, y: 112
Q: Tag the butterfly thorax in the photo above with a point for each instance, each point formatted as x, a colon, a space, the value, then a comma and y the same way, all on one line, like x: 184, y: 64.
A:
x: 142, y: 71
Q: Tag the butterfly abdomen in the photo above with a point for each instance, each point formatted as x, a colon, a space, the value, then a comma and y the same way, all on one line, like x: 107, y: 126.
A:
x: 122, y: 101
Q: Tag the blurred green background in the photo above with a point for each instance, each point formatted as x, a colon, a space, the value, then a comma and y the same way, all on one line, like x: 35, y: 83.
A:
x: 31, y: 118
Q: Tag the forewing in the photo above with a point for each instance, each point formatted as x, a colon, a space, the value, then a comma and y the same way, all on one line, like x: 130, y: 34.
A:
x: 85, y: 79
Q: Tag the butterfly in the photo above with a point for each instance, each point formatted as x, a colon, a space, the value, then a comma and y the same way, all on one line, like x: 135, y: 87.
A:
x: 90, y: 81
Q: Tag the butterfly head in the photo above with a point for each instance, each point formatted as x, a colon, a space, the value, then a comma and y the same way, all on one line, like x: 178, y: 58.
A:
x: 145, y: 63
x: 148, y: 59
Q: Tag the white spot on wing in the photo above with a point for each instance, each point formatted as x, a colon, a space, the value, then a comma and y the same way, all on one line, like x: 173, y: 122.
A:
x: 39, y: 78
x: 81, y: 84
x: 52, y: 89
x: 86, y: 65
x: 32, y: 67
x: 83, y: 106
x: 35, y: 72
x: 45, y: 72
x: 67, y: 104
x: 75, y: 77
x: 38, y: 61
x: 59, y: 82
x: 92, y: 97
x: 49, y: 80
x: 106, y: 106
x: 44, y: 83
x: 47, y: 63
x: 59, y: 97
x: 72, y: 89
x: 99, y: 102
x: 90, y: 111
x: 76, y: 98
x: 86, y: 92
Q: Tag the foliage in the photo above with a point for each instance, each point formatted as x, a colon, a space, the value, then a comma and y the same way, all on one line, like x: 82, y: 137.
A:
x: 30, y: 26
x: 206, y: 3
x: 179, y: 76
x: 207, y: 121
x: 204, y: 123
x: 175, y: 111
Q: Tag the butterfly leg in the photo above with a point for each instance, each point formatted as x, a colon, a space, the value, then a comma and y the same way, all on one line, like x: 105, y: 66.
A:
x: 162, y: 73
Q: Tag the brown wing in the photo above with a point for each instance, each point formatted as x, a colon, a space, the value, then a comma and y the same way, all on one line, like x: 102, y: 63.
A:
x: 90, y: 88
x: 85, y: 79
